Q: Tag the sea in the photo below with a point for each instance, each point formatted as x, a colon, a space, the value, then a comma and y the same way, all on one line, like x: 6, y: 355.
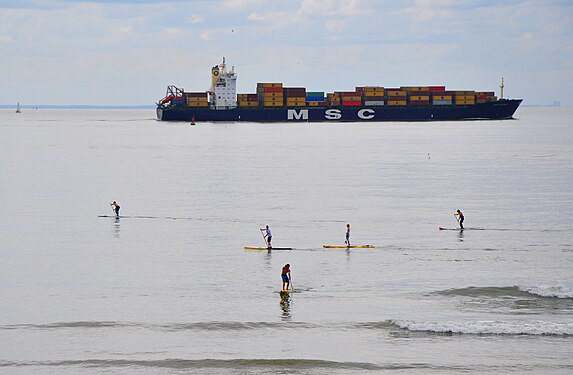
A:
x: 168, y: 288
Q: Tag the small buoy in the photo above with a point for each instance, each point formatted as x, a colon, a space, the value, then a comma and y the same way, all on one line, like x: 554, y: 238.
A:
x: 192, y: 120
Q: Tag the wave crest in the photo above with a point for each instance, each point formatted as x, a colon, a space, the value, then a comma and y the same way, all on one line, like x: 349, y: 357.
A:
x: 490, y: 327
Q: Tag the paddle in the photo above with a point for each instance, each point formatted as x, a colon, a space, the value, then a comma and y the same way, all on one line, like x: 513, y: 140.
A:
x: 264, y: 239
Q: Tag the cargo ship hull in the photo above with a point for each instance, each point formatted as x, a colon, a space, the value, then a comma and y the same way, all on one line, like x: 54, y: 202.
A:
x: 495, y: 110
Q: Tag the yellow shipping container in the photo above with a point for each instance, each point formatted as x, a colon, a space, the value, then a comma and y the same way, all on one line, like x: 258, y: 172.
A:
x: 351, y: 98
x: 313, y: 104
x: 269, y: 95
x: 465, y: 97
x: 396, y: 102
x: 419, y: 97
x: 373, y: 93
x: 202, y: 99
x: 393, y: 94
x: 466, y: 92
x: 442, y: 97
x: 373, y: 89
x: 462, y: 102
x: 198, y: 104
x: 415, y: 88
x: 273, y: 104
x: 244, y: 103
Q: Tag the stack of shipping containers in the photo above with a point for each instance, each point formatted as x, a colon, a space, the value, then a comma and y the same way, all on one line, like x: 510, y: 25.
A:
x: 295, y: 96
x: 333, y: 99
x: 465, y: 97
x: 247, y: 100
x: 484, y: 97
x: 315, y: 98
x: 372, y: 95
x: 350, y: 98
x: 396, y: 97
x: 196, y: 99
x: 270, y: 94
x: 440, y: 96
x: 417, y: 95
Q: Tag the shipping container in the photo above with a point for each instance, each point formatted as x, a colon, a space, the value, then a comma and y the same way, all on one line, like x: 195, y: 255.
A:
x: 396, y: 102
x: 465, y: 102
x: 269, y: 84
x: 466, y: 92
x: 191, y: 99
x: 273, y: 104
x: 420, y: 102
x: 374, y: 102
x: 396, y: 94
x: 442, y: 97
x: 248, y: 104
x: 195, y: 94
x: 442, y: 102
x: 351, y: 103
x: 373, y: 93
x: 198, y: 104
x: 437, y: 88
x: 415, y: 88
x: 419, y: 97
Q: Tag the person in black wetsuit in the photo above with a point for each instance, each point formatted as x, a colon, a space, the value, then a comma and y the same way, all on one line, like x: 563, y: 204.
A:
x: 115, y: 207
x: 460, y: 217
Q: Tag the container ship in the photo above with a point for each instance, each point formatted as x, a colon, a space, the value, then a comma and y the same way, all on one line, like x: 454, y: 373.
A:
x: 273, y: 102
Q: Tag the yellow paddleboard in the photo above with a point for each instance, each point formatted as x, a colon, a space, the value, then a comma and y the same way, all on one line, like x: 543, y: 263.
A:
x: 349, y: 247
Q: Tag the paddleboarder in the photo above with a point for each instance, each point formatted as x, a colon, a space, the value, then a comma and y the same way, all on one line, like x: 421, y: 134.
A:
x: 115, y: 207
x: 347, y: 241
x: 460, y: 217
x: 268, y: 236
x: 285, y: 275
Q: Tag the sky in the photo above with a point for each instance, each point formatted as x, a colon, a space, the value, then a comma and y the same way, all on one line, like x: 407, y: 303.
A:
x: 127, y: 52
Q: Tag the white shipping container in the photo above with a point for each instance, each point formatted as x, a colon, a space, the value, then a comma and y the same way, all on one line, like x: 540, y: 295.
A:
x: 374, y: 102
x: 442, y: 102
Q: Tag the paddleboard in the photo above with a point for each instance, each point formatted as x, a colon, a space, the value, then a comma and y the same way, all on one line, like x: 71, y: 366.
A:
x: 284, y: 293
x: 266, y: 248
x: 349, y: 247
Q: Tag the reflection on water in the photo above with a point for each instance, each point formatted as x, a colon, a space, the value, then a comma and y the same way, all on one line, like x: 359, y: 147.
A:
x: 116, y: 227
x: 461, y: 235
x: 285, y: 307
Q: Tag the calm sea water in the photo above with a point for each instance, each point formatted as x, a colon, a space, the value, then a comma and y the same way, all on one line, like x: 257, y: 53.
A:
x: 169, y: 289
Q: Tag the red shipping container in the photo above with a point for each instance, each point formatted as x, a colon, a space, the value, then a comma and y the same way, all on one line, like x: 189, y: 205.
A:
x: 351, y: 103
x: 272, y: 89
x: 437, y: 88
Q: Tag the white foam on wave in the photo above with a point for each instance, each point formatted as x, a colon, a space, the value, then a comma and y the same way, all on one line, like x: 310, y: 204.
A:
x: 548, y: 291
x: 488, y: 327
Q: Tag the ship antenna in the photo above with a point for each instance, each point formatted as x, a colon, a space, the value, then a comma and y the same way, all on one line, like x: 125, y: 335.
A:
x: 501, y: 87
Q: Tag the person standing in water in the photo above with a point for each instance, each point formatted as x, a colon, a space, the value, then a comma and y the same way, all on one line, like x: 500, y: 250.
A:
x: 268, y: 236
x: 285, y: 275
x: 460, y: 217
x: 115, y: 207
x: 347, y: 241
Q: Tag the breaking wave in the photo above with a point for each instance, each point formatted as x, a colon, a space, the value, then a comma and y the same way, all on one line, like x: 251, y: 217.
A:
x: 490, y: 327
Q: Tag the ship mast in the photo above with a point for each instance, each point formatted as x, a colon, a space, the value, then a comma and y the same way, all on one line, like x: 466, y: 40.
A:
x: 501, y: 87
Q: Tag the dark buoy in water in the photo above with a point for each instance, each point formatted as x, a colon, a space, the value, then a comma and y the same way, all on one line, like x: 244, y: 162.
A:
x: 192, y: 120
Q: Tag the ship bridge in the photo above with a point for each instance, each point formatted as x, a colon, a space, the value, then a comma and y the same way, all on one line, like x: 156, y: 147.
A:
x: 223, y: 87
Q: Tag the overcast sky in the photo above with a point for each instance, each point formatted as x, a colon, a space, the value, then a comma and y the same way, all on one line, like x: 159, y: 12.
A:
x: 127, y: 52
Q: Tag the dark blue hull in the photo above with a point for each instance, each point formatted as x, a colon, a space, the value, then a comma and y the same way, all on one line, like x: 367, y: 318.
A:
x: 496, y: 110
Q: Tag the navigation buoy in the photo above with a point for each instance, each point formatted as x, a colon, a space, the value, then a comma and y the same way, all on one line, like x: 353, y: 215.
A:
x: 193, y: 120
